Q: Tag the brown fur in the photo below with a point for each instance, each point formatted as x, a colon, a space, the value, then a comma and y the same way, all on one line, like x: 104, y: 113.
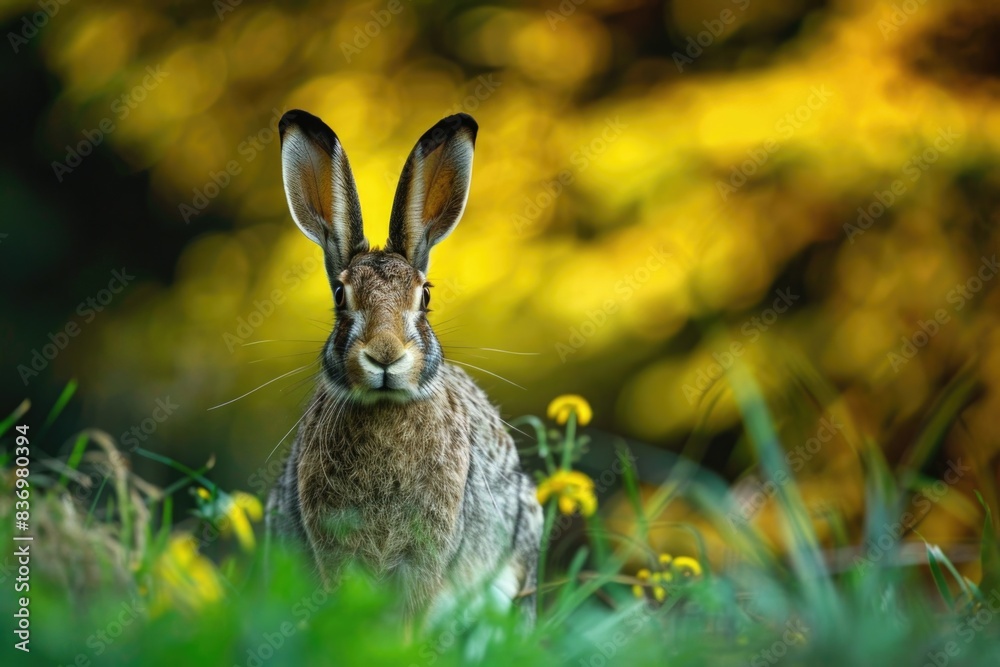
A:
x: 401, y: 463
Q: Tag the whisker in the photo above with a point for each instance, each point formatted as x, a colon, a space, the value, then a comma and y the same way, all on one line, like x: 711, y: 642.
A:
x: 297, y: 422
x: 514, y: 428
x: 281, y: 340
x: 449, y: 319
x: 490, y: 349
x: 328, y: 427
x: 283, y: 375
x: 446, y: 332
x: 298, y: 383
x: 500, y: 377
x: 281, y: 356
x: 474, y: 356
x: 322, y: 326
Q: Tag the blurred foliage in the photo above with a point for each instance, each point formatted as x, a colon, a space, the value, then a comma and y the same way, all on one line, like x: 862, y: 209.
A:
x: 654, y: 184
x: 129, y: 582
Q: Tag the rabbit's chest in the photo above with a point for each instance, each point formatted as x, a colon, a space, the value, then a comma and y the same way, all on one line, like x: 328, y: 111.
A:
x: 388, y: 502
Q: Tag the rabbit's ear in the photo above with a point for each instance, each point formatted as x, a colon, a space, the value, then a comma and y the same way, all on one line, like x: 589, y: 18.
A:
x: 320, y: 188
x: 433, y: 189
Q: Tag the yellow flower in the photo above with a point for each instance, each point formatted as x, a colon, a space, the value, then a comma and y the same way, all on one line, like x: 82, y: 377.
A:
x: 237, y: 511
x: 561, y: 407
x: 689, y: 568
x: 654, y: 578
x: 639, y: 590
x: 574, y: 490
x: 181, y: 577
x: 241, y: 510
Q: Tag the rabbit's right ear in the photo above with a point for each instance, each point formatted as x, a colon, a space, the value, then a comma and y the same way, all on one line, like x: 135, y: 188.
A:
x: 433, y: 189
x: 319, y: 185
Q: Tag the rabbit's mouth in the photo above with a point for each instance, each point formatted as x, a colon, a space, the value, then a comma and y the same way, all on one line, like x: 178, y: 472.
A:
x: 369, y: 396
x: 385, y: 370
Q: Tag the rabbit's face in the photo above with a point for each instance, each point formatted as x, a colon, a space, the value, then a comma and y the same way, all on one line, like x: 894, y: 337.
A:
x: 382, y: 346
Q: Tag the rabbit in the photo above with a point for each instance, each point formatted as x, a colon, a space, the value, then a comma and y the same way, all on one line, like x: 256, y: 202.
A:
x: 400, y: 460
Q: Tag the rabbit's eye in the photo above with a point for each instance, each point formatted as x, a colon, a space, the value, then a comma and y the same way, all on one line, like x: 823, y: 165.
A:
x: 425, y: 299
x: 339, y: 295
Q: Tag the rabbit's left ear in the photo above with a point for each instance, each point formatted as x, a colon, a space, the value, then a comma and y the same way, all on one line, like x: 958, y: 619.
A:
x: 433, y: 189
x: 320, y: 188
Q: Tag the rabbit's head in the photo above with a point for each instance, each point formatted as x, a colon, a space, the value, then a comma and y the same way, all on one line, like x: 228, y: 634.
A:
x: 382, y: 346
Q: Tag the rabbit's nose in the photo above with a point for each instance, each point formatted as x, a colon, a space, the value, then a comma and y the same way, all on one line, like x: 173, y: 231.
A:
x: 380, y: 361
x: 382, y: 352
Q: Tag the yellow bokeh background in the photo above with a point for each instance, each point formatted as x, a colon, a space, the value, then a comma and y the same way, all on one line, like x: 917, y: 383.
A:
x: 622, y: 225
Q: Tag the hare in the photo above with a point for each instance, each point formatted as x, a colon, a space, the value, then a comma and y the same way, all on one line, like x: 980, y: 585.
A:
x: 400, y: 461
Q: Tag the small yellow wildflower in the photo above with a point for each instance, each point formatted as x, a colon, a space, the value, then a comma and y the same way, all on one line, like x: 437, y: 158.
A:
x: 243, y: 509
x: 639, y: 590
x: 574, y: 490
x: 181, y: 577
x: 561, y: 407
x: 237, y: 510
x: 654, y: 578
x: 689, y: 568
x: 684, y: 567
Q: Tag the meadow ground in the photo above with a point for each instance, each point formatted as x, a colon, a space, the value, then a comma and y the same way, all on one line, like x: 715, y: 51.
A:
x: 117, y: 579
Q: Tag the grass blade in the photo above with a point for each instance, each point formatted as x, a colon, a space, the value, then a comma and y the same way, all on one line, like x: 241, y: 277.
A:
x: 989, y: 551
x: 15, y: 416
x: 938, y: 574
x: 180, y: 467
x: 60, y: 404
x: 75, y: 457
x: 572, y: 576
x: 803, y: 543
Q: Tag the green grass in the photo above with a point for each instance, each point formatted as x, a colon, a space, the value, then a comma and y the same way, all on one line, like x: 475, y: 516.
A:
x: 100, y: 596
